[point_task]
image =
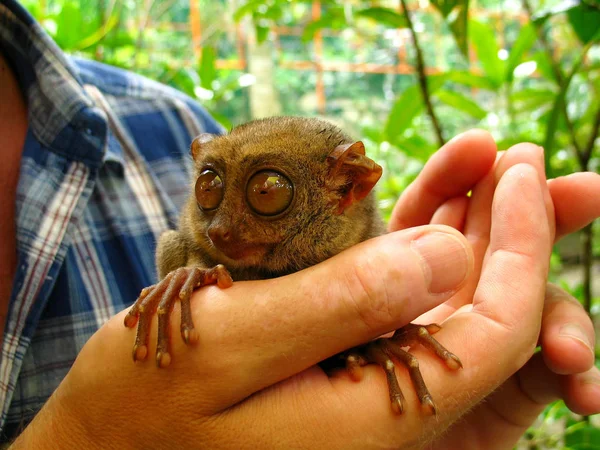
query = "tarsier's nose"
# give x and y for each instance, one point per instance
(219, 235)
(228, 242)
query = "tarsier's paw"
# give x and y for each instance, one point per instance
(160, 298)
(383, 350)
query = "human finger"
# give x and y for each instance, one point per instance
(511, 409)
(581, 391)
(576, 201)
(451, 172)
(497, 334)
(517, 264)
(567, 335)
(539, 386)
(452, 213)
(478, 221)
(533, 155)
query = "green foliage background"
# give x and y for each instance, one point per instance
(538, 81)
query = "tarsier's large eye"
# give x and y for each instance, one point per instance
(269, 193)
(209, 190)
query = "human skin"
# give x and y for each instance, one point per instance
(13, 127)
(564, 368)
(252, 380)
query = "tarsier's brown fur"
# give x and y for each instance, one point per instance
(308, 233)
(333, 208)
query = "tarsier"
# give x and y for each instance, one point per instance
(272, 197)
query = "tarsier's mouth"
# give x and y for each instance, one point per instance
(238, 251)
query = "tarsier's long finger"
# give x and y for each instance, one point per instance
(422, 335)
(392, 348)
(221, 275)
(411, 331)
(197, 278)
(384, 350)
(188, 333)
(432, 328)
(132, 316)
(354, 363)
(178, 284)
(167, 300)
(377, 355)
(146, 310)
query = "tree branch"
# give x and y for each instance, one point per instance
(558, 74)
(587, 151)
(139, 42)
(422, 77)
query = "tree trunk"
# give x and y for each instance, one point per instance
(264, 98)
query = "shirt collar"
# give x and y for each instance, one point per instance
(61, 115)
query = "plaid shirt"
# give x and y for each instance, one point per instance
(104, 171)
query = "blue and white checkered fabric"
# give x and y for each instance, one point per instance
(105, 169)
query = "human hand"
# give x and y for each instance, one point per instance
(564, 367)
(252, 380)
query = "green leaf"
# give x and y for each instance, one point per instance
(69, 25)
(34, 7)
(591, 67)
(456, 14)
(184, 79)
(544, 65)
(445, 7)
(407, 106)
(99, 34)
(587, 117)
(222, 119)
(262, 33)
(584, 17)
(522, 45)
(484, 41)
(384, 16)
(583, 437)
(405, 109)
(311, 28)
(462, 103)
(248, 8)
(334, 18)
(470, 79)
(207, 70)
(460, 30)
(531, 99)
(585, 20)
(274, 13)
(416, 147)
(542, 16)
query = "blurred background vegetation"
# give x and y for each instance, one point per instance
(402, 75)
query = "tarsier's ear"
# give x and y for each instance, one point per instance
(197, 143)
(351, 173)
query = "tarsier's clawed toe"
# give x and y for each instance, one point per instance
(384, 351)
(160, 298)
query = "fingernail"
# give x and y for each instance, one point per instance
(574, 331)
(445, 261)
